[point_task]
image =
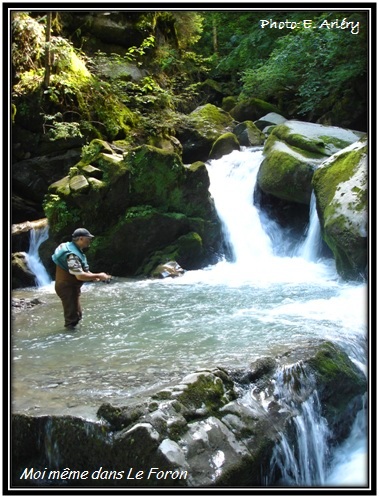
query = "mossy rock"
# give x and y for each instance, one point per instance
(210, 91)
(269, 120)
(225, 144)
(61, 187)
(156, 178)
(228, 103)
(315, 138)
(204, 391)
(341, 385)
(248, 134)
(292, 153)
(210, 120)
(286, 176)
(252, 109)
(22, 276)
(340, 187)
(200, 129)
(187, 250)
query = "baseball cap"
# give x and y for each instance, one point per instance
(81, 232)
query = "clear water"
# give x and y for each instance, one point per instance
(138, 335)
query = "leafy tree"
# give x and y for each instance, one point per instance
(307, 66)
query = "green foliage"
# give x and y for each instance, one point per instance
(139, 211)
(108, 62)
(59, 129)
(302, 69)
(58, 213)
(90, 151)
(28, 38)
(310, 65)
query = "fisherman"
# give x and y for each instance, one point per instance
(72, 271)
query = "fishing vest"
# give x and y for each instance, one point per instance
(63, 250)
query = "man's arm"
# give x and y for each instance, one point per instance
(75, 268)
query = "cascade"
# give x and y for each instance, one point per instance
(32, 257)
(300, 457)
(310, 249)
(232, 189)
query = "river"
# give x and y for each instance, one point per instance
(139, 335)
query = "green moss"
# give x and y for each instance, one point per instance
(112, 166)
(139, 211)
(337, 143)
(334, 368)
(207, 390)
(259, 104)
(228, 103)
(196, 166)
(189, 244)
(286, 176)
(306, 153)
(210, 121)
(300, 143)
(156, 175)
(91, 151)
(326, 179)
(224, 144)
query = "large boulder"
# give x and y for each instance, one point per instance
(269, 120)
(249, 134)
(341, 190)
(293, 151)
(224, 145)
(215, 428)
(22, 276)
(145, 199)
(200, 129)
(252, 110)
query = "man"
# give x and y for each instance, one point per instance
(72, 271)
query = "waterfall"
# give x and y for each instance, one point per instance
(262, 250)
(310, 249)
(301, 456)
(232, 188)
(32, 257)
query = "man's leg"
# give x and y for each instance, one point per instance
(69, 295)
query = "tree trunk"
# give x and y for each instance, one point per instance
(215, 42)
(46, 81)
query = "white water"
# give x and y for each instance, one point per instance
(32, 257)
(142, 335)
(311, 247)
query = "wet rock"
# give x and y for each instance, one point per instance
(206, 429)
(170, 269)
(20, 304)
(341, 190)
(21, 274)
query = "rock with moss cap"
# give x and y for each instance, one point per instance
(200, 129)
(248, 134)
(225, 144)
(252, 109)
(293, 151)
(341, 190)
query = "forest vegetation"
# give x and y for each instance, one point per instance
(72, 88)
